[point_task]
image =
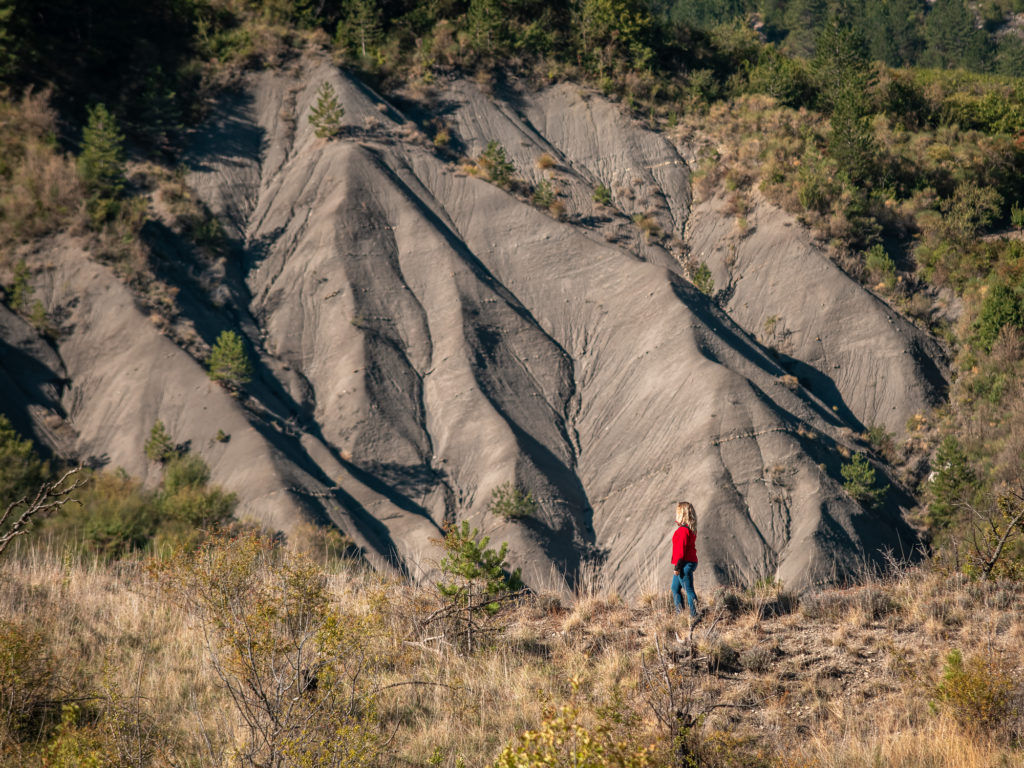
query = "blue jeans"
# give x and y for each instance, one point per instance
(681, 582)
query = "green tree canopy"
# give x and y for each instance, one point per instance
(953, 39)
(615, 31)
(805, 19)
(893, 30)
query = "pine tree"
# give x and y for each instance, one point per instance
(951, 482)
(365, 24)
(228, 363)
(325, 116)
(844, 76)
(496, 165)
(474, 579)
(160, 447)
(841, 62)
(101, 163)
(860, 482)
(893, 30)
(486, 21)
(20, 291)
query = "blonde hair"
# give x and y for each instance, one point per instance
(686, 515)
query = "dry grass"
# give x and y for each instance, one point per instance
(39, 187)
(844, 678)
(546, 161)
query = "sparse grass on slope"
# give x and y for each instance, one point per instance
(923, 669)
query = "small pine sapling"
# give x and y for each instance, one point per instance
(543, 195)
(101, 164)
(495, 163)
(21, 290)
(860, 482)
(325, 116)
(228, 362)
(160, 447)
(702, 279)
(511, 502)
(475, 582)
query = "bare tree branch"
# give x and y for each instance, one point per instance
(50, 497)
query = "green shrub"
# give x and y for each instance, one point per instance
(21, 470)
(602, 195)
(188, 471)
(80, 745)
(815, 182)
(40, 189)
(881, 440)
(563, 739)
(977, 692)
(198, 507)
(20, 291)
(860, 482)
(186, 498)
(512, 502)
(1002, 306)
(1017, 216)
(117, 516)
(27, 680)
(702, 279)
(301, 671)
(780, 77)
(879, 264)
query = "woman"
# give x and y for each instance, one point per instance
(684, 558)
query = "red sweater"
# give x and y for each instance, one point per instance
(684, 545)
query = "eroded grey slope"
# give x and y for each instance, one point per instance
(452, 334)
(423, 336)
(842, 342)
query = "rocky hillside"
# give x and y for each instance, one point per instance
(421, 336)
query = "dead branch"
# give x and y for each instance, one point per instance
(50, 497)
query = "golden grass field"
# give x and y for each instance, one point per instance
(840, 678)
